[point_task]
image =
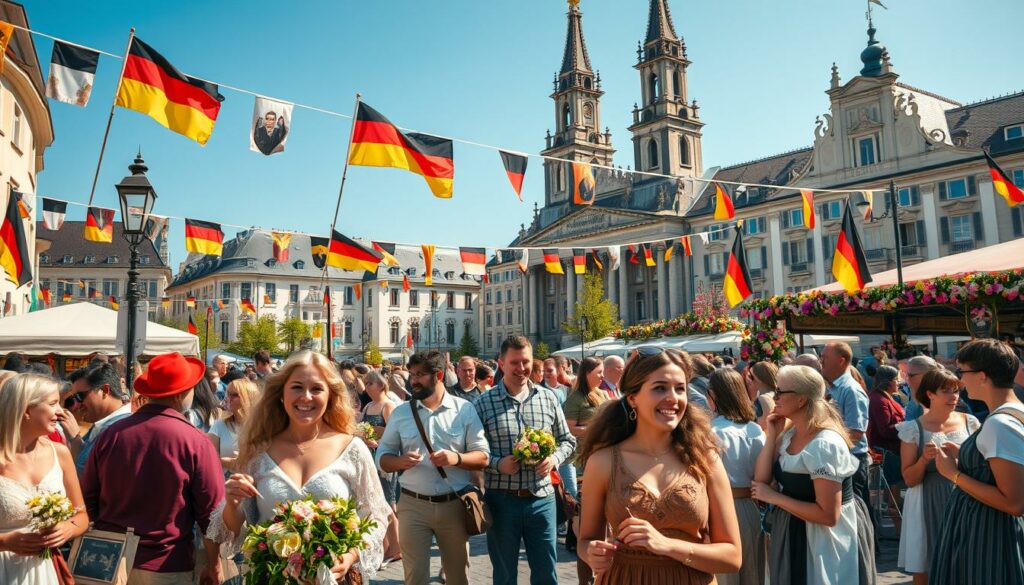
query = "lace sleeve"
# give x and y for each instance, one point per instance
(219, 532)
(370, 501)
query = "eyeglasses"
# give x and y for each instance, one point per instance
(76, 398)
(960, 372)
(778, 393)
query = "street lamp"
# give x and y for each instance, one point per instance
(137, 198)
(584, 326)
(891, 211)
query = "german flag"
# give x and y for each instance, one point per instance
(44, 294)
(66, 297)
(165, 303)
(387, 251)
(807, 196)
(94, 294)
(849, 265)
(347, 254)
(597, 259)
(515, 168)
(383, 284)
(267, 300)
(737, 285)
(405, 283)
(281, 241)
(584, 186)
(113, 302)
(376, 142)
(99, 225)
(552, 262)
(221, 305)
(687, 248)
(247, 307)
(428, 264)
(152, 86)
(190, 302)
(203, 237)
(318, 248)
(474, 261)
(648, 255)
(192, 326)
(14, 258)
(23, 208)
(724, 208)
(579, 260)
(632, 256)
(670, 246)
(358, 288)
(1002, 184)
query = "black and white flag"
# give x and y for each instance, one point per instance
(72, 72)
(54, 211)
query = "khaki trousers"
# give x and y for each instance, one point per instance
(419, 521)
(140, 577)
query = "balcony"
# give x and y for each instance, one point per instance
(877, 255)
(716, 271)
(961, 246)
(912, 251)
(800, 268)
(756, 273)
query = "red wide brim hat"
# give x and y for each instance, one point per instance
(169, 374)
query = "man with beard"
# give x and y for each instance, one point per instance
(429, 506)
(269, 136)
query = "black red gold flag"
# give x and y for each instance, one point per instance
(190, 302)
(515, 168)
(348, 254)
(633, 258)
(552, 263)
(54, 212)
(579, 260)
(113, 302)
(1002, 183)
(45, 294)
(405, 283)
(428, 262)
(66, 297)
(99, 225)
(670, 246)
(597, 259)
(474, 261)
(192, 326)
(387, 251)
(849, 264)
(280, 248)
(152, 86)
(23, 208)
(203, 237)
(584, 186)
(807, 196)
(247, 307)
(165, 303)
(737, 285)
(94, 293)
(376, 142)
(648, 255)
(318, 249)
(724, 208)
(687, 248)
(358, 288)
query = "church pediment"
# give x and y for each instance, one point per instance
(860, 84)
(588, 222)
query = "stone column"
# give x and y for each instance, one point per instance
(611, 286)
(663, 309)
(624, 291)
(533, 327)
(675, 277)
(570, 292)
(819, 260)
(988, 214)
(931, 221)
(776, 251)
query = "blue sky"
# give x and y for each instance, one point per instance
(474, 70)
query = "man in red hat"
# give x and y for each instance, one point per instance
(159, 475)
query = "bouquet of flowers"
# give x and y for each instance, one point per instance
(365, 430)
(49, 510)
(305, 537)
(533, 446)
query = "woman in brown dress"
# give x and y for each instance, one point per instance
(657, 509)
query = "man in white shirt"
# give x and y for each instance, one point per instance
(429, 507)
(98, 395)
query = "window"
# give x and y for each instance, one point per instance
(908, 196)
(246, 290)
(755, 259)
(293, 293)
(957, 188)
(110, 288)
(271, 292)
(792, 218)
(68, 259)
(414, 298)
(551, 315)
(225, 290)
(395, 296)
(487, 319)
(652, 154)
(393, 332)
(715, 264)
(16, 129)
(414, 330)
(467, 301)
(112, 259)
(566, 118)
(508, 317)
(867, 152)
(1018, 177)
(449, 330)
(677, 84)
(519, 294)
(450, 300)
(433, 299)
(90, 259)
(684, 152)
(487, 297)
(348, 332)
(497, 318)
(718, 232)
(1014, 132)
(653, 87)
(909, 235)
(369, 299)
(44, 258)
(350, 296)
(830, 210)
(794, 253)
(144, 259)
(497, 297)
(490, 342)
(223, 331)
(639, 306)
(753, 226)
(152, 289)
(961, 228)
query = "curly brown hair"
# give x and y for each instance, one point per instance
(694, 442)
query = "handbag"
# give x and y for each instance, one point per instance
(477, 515)
(60, 565)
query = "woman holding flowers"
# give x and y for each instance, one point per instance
(298, 442)
(655, 476)
(37, 478)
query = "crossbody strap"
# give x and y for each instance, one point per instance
(423, 435)
(1011, 412)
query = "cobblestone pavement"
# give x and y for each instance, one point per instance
(480, 566)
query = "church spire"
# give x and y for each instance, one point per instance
(575, 58)
(659, 22)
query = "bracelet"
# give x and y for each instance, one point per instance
(459, 462)
(689, 556)
(956, 479)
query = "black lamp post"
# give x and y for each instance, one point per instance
(137, 198)
(584, 327)
(891, 211)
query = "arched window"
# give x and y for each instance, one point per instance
(684, 151)
(560, 178)
(566, 117)
(653, 87)
(586, 83)
(652, 154)
(677, 84)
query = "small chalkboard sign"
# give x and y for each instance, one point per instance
(103, 558)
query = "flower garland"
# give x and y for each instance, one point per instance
(766, 314)
(686, 324)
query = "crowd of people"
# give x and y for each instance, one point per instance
(668, 468)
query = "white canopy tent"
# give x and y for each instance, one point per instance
(605, 346)
(80, 329)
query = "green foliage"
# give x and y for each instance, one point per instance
(373, 356)
(541, 351)
(468, 346)
(601, 314)
(293, 332)
(255, 335)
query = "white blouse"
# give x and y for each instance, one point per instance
(741, 444)
(1002, 436)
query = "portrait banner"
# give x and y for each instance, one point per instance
(271, 124)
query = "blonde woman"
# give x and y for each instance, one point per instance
(239, 397)
(814, 523)
(299, 441)
(31, 464)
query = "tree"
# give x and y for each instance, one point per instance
(373, 356)
(541, 351)
(293, 332)
(468, 346)
(199, 318)
(601, 314)
(255, 335)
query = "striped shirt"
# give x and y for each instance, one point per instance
(505, 418)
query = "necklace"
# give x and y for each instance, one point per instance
(303, 445)
(657, 456)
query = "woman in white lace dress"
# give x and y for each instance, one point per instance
(31, 464)
(299, 440)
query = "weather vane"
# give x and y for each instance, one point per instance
(870, 2)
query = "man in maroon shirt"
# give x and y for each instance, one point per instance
(157, 474)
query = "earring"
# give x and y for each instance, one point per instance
(632, 414)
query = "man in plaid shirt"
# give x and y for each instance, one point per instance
(521, 498)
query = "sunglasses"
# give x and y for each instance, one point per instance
(960, 372)
(778, 393)
(76, 398)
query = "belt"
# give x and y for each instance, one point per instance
(740, 493)
(434, 499)
(516, 493)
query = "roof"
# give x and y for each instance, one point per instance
(575, 57)
(980, 125)
(22, 49)
(251, 252)
(69, 241)
(778, 169)
(659, 22)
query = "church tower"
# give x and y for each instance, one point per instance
(666, 129)
(577, 95)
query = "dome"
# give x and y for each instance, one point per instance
(872, 56)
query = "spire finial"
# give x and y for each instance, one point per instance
(574, 4)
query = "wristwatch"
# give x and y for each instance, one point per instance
(459, 462)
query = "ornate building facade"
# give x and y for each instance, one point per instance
(877, 130)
